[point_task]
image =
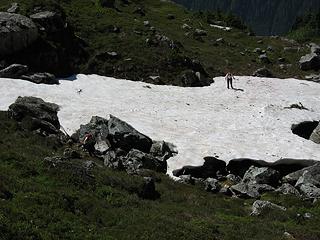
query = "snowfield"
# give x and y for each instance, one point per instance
(208, 121)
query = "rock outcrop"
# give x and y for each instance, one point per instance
(259, 207)
(262, 175)
(248, 178)
(124, 148)
(36, 114)
(17, 32)
(14, 71)
(310, 61)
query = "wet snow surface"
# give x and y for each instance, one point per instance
(209, 121)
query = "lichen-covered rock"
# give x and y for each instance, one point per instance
(263, 175)
(186, 179)
(259, 207)
(136, 159)
(309, 190)
(250, 190)
(288, 189)
(212, 185)
(306, 175)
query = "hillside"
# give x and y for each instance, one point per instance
(152, 41)
(265, 17)
(307, 27)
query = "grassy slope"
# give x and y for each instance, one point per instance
(91, 20)
(57, 204)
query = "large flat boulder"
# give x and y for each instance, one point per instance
(309, 174)
(14, 71)
(124, 136)
(259, 207)
(136, 160)
(285, 166)
(16, 32)
(310, 62)
(35, 108)
(250, 190)
(263, 175)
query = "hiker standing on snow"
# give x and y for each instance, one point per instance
(229, 77)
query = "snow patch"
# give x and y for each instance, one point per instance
(207, 121)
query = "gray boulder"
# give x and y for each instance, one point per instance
(259, 207)
(50, 22)
(264, 58)
(161, 149)
(313, 77)
(136, 159)
(189, 78)
(305, 175)
(315, 136)
(98, 128)
(200, 33)
(262, 175)
(41, 78)
(250, 190)
(35, 108)
(124, 136)
(14, 8)
(186, 26)
(14, 71)
(17, 32)
(309, 190)
(39, 126)
(111, 160)
(212, 185)
(315, 48)
(186, 179)
(233, 178)
(262, 72)
(311, 176)
(310, 62)
(288, 189)
(257, 50)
